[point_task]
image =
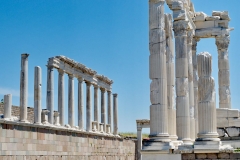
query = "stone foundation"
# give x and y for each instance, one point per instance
(213, 156)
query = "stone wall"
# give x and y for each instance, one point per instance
(28, 141)
(215, 156)
(16, 112)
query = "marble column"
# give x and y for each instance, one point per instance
(109, 94)
(195, 82)
(96, 105)
(207, 135)
(80, 103)
(7, 106)
(115, 114)
(61, 96)
(24, 87)
(50, 93)
(223, 72)
(159, 137)
(88, 108)
(37, 95)
(139, 141)
(103, 112)
(190, 84)
(170, 78)
(71, 100)
(182, 91)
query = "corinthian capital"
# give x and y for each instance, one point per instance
(222, 42)
(180, 28)
(190, 36)
(194, 43)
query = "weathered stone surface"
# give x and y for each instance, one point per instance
(221, 132)
(177, 5)
(223, 155)
(201, 156)
(157, 88)
(233, 132)
(200, 16)
(204, 24)
(212, 155)
(212, 18)
(188, 156)
(179, 15)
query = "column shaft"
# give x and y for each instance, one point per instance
(50, 93)
(61, 96)
(71, 100)
(80, 103)
(109, 109)
(139, 139)
(103, 112)
(7, 106)
(115, 114)
(88, 108)
(37, 95)
(96, 104)
(24, 88)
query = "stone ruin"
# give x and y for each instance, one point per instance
(194, 125)
(55, 119)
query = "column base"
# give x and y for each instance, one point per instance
(187, 141)
(184, 149)
(156, 155)
(207, 146)
(24, 121)
(163, 146)
(173, 137)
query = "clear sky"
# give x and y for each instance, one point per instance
(109, 36)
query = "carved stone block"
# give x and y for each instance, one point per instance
(179, 15)
(177, 5)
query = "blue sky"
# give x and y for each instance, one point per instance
(110, 37)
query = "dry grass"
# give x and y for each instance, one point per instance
(132, 135)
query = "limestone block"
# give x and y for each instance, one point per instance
(234, 122)
(181, 67)
(224, 94)
(179, 15)
(223, 155)
(182, 86)
(157, 66)
(200, 16)
(216, 13)
(158, 87)
(224, 105)
(212, 155)
(177, 5)
(223, 77)
(221, 23)
(221, 132)
(222, 122)
(225, 16)
(201, 156)
(227, 113)
(212, 18)
(156, 36)
(233, 132)
(204, 24)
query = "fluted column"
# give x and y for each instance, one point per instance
(71, 100)
(103, 112)
(24, 87)
(96, 105)
(109, 93)
(206, 100)
(7, 107)
(182, 91)
(80, 103)
(223, 72)
(61, 96)
(50, 93)
(158, 76)
(170, 78)
(37, 95)
(195, 82)
(139, 141)
(190, 84)
(115, 114)
(88, 107)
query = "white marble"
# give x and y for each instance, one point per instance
(88, 107)
(50, 93)
(103, 111)
(96, 105)
(115, 114)
(8, 107)
(56, 118)
(37, 95)
(61, 95)
(109, 96)
(71, 100)
(80, 103)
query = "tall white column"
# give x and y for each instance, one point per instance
(88, 108)
(96, 105)
(190, 84)
(109, 94)
(223, 72)
(24, 87)
(207, 135)
(37, 95)
(80, 103)
(170, 78)
(71, 100)
(139, 143)
(115, 114)
(61, 96)
(103, 111)
(182, 91)
(50, 93)
(7, 106)
(195, 82)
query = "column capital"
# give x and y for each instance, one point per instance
(180, 28)
(156, 1)
(95, 86)
(194, 43)
(71, 76)
(80, 79)
(103, 89)
(190, 34)
(60, 71)
(222, 42)
(115, 94)
(88, 83)
(25, 55)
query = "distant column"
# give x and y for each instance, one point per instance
(80, 103)
(109, 109)
(24, 87)
(96, 105)
(115, 114)
(61, 96)
(7, 106)
(139, 139)
(88, 108)
(103, 113)
(50, 94)
(223, 72)
(71, 100)
(37, 95)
